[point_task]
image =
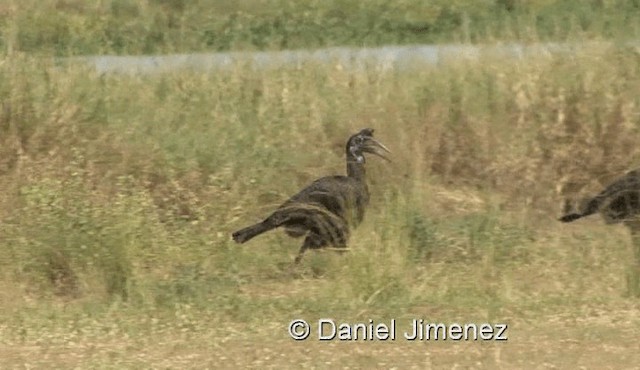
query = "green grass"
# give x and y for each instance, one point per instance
(119, 194)
(75, 27)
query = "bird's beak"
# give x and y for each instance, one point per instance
(373, 146)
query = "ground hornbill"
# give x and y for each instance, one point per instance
(329, 207)
(618, 202)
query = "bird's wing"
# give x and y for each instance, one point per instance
(330, 192)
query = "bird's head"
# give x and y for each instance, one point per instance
(363, 142)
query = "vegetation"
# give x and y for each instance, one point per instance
(78, 27)
(116, 208)
(118, 195)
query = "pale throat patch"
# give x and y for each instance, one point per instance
(359, 157)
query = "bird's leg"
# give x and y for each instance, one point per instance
(303, 249)
(298, 258)
(312, 241)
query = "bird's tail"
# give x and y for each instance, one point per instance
(250, 232)
(300, 218)
(589, 207)
(571, 217)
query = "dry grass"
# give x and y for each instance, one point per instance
(119, 195)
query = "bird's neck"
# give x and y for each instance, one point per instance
(355, 169)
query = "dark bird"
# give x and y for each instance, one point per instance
(618, 202)
(329, 207)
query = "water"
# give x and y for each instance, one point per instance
(348, 57)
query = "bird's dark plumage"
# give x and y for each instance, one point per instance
(329, 207)
(618, 202)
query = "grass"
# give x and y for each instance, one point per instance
(75, 27)
(119, 194)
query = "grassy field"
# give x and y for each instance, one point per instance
(78, 27)
(118, 194)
